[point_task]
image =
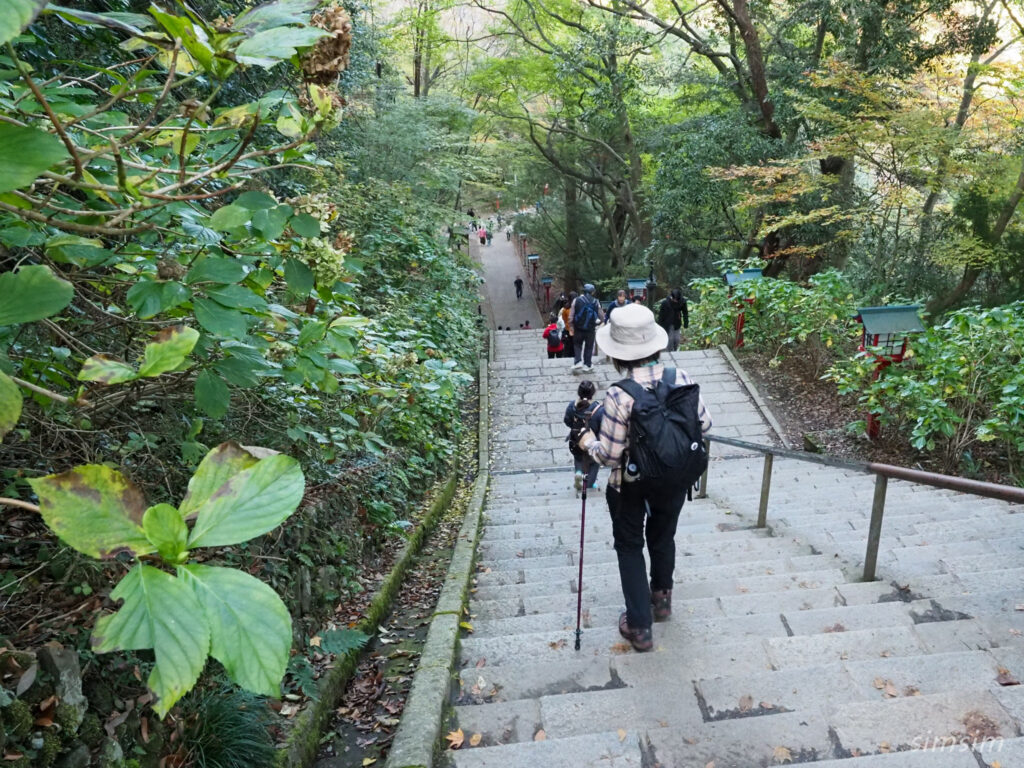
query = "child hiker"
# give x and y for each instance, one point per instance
(577, 418)
(554, 337)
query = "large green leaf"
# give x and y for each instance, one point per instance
(217, 467)
(15, 15)
(31, 293)
(151, 297)
(255, 200)
(162, 613)
(298, 276)
(306, 225)
(216, 270)
(132, 23)
(94, 509)
(267, 48)
(219, 320)
(166, 530)
(106, 370)
(229, 217)
(168, 350)
(274, 14)
(250, 503)
(10, 404)
(250, 629)
(212, 394)
(26, 152)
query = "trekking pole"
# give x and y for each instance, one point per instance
(579, 579)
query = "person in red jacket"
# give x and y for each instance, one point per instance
(554, 337)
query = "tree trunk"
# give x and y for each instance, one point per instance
(755, 62)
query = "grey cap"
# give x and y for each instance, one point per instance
(588, 288)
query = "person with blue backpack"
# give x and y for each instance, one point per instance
(585, 315)
(651, 435)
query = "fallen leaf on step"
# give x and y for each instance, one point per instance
(622, 734)
(746, 703)
(480, 662)
(475, 739)
(885, 654)
(1019, 607)
(369, 761)
(883, 747)
(540, 735)
(557, 645)
(879, 683)
(911, 690)
(837, 627)
(996, 764)
(742, 589)
(766, 705)
(890, 690)
(620, 648)
(690, 741)
(1006, 677)
(782, 755)
(466, 626)
(709, 764)
(455, 739)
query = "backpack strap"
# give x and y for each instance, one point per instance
(669, 376)
(630, 387)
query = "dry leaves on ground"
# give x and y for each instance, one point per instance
(455, 739)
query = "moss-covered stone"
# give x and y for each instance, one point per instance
(91, 730)
(66, 717)
(51, 748)
(18, 718)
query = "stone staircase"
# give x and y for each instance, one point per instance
(776, 653)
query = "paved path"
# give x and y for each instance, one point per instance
(776, 653)
(500, 268)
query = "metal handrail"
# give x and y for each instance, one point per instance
(882, 473)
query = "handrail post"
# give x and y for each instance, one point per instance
(702, 493)
(766, 486)
(875, 531)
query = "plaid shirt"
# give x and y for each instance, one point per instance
(610, 445)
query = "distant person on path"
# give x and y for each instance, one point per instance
(526, 325)
(584, 316)
(577, 418)
(489, 236)
(620, 301)
(673, 314)
(554, 337)
(640, 508)
(518, 283)
(566, 330)
(482, 234)
(508, 231)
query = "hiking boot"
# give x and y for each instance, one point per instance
(640, 639)
(662, 602)
(577, 482)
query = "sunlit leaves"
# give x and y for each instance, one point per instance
(166, 530)
(152, 297)
(10, 404)
(216, 468)
(15, 15)
(94, 509)
(250, 629)
(250, 503)
(25, 153)
(166, 352)
(267, 48)
(32, 293)
(158, 612)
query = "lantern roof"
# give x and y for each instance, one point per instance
(638, 284)
(533, 257)
(902, 318)
(732, 278)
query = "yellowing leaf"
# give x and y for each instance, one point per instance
(540, 735)
(475, 739)
(369, 760)
(466, 626)
(782, 755)
(622, 734)
(455, 739)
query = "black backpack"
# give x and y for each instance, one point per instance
(665, 446)
(585, 316)
(580, 422)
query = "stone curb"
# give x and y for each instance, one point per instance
(300, 749)
(755, 395)
(419, 732)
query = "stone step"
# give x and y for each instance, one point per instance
(692, 585)
(899, 724)
(686, 570)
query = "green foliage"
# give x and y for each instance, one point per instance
(962, 385)
(812, 322)
(227, 728)
(223, 612)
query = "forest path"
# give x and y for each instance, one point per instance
(776, 652)
(500, 267)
